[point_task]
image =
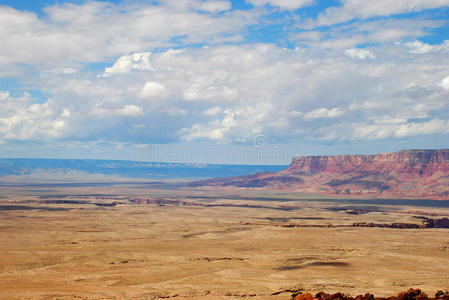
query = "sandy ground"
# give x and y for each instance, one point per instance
(134, 251)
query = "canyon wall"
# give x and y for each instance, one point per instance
(410, 162)
(404, 174)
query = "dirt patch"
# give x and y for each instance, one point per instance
(315, 264)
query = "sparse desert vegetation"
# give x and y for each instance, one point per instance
(164, 241)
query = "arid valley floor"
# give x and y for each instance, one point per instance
(143, 240)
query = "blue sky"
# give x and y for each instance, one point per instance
(205, 80)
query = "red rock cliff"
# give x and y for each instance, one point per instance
(420, 174)
(412, 162)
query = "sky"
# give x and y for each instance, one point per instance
(218, 81)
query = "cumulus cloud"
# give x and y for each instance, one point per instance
(11, 105)
(289, 93)
(200, 131)
(20, 119)
(93, 31)
(360, 53)
(283, 4)
(229, 93)
(237, 124)
(224, 90)
(214, 130)
(419, 47)
(430, 127)
(128, 63)
(224, 85)
(154, 91)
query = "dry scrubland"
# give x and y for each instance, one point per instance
(162, 241)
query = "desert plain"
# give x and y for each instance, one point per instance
(158, 240)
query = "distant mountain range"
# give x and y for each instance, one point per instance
(403, 174)
(124, 169)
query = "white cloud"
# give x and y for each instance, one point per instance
(365, 9)
(175, 111)
(199, 131)
(199, 92)
(244, 88)
(12, 105)
(214, 6)
(211, 6)
(129, 110)
(445, 83)
(128, 63)
(375, 104)
(66, 113)
(92, 91)
(365, 32)
(59, 71)
(237, 124)
(6, 97)
(294, 113)
(324, 113)
(20, 119)
(140, 125)
(443, 47)
(283, 4)
(290, 94)
(154, 91)
(213, 111)
(360, 53)
(94, 31)
(418, 47)
(367, 132)
(430, 127)
(399, 128)
(214, 130)
(388, 120)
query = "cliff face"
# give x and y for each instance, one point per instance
(404, 174)
(410, 162)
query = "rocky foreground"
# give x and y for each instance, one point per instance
(404, 174)
(411, 294)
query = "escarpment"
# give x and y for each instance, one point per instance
(403, 174)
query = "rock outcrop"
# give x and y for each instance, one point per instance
(404, 174)
(411, 294)
(426, 223)
(410, 162)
